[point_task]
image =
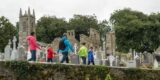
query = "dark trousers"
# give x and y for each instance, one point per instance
(90, 61)
(65, 57)
(49, 60)
(83, 60)
(33, 55)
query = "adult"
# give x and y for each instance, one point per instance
(32, 45)
(64, 47)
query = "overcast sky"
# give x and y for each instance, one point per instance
(66, 8)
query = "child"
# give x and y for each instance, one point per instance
(83, 52)
(50, 54)
(90, 56)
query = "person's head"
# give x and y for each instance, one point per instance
(91, 48)
(84, 43)
(32, 33)
(64, 36)
(49, 45)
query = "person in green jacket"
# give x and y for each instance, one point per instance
(83, 52)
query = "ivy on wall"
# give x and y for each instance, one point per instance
(38, 71)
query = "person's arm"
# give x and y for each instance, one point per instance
(33, 42)
(68, 46)
(54, 53)
(79, 51)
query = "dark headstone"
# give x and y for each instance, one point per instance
(56, 58)
(74, 59)
(157, 56)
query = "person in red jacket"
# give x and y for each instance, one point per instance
(50, 54)
(32, 44)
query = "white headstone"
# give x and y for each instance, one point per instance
(14, 54)
(131, 64)
(21, 52)
(75, 48)
(116, 60)
(111, 59)
(95, 55)
(7, 51)
(155, 64)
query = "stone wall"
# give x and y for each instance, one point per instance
(46, 71)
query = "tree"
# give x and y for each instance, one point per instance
(103, 28)
(50, 27)
(136, 30)
(82, 23)
(7, 31)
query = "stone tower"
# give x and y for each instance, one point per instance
(71, 36)
(110, 43)
(26, 26)
(95, 38)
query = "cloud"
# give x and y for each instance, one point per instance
(67, 8)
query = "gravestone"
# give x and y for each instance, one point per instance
(1, 56)
(98, 62)
(60, 56)
(111, 59)
(38, 55)
(7, 50)
(155, 65)
(131, 64)
(56, 59)
(14, 54)
(74, 59)
(21, 53)
(75, 48)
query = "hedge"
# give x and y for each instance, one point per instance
(38, 71)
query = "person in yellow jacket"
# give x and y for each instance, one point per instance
(83, 52)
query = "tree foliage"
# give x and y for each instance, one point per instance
(50, 27)
(82, 23)
(7, 31)
(136, 30)
(103, 28)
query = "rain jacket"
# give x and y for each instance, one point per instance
(90, 55)
(32, 42)
(82, 51)
(67, 44)
(50, 53)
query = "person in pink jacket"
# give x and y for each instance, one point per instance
(32, 45)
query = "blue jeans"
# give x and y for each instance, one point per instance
(91, 61)
(65, 57)
(33, 55)
(83, 59)
(49, 60)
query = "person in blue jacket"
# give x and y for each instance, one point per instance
(64, 47)
(90, 56)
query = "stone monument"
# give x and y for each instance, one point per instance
(7, 51)
(14, 54)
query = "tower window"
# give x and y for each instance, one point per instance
(69, 33)
(72, 33)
